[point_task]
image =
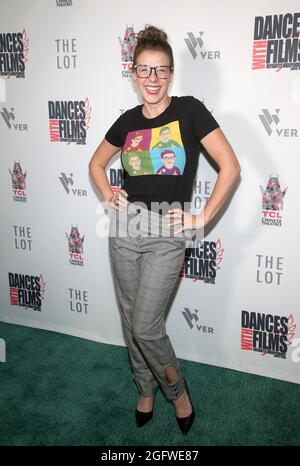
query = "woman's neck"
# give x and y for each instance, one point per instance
(154, 110)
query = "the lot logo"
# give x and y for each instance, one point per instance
(192, 319)
(203, 261)
(66, 53)
(202, 192)
(23, 237)
(270, 121)
(68, 182)
(276, 42)
(75, 245)
(267, 333)
(78, 300)
(18, 182)
(68, 120)
(26, 290)
(14, 48)
(9, 119)
(272, 202)
(195, 43)
(269, 269)
(127, 44)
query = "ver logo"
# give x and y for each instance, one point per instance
(270, 120)
(193, 42)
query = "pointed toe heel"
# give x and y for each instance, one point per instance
(142, 418)
(185, 423)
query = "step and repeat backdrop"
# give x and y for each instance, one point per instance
(65, 77)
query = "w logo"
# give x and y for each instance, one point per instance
(267, 119)
(192, 43)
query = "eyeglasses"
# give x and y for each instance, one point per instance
(168, 157)
(162, 71)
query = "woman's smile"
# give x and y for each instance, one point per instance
(153, 90)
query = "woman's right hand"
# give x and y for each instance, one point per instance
(117, 200)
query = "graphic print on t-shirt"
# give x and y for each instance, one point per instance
(156, 151)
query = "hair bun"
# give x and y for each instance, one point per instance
(152, 38)
(153, 34)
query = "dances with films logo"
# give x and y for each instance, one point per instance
(75, 245)
(272, 202)
(13, 53)
(127, 45)
(276, 42)
(203, 261)
(26, 290)
(267, 333)
(18, 182)
(68, 120)
(116, 178)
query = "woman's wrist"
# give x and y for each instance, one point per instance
(198, 221)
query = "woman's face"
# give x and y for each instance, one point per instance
(152, 89)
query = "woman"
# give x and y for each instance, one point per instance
(169, 132)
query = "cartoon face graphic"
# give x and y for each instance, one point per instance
(165, 134)
(165, 140)
(135, 162)
(168, 157)
(135, 143)
(155, 151)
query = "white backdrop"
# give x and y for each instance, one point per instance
(72, 52)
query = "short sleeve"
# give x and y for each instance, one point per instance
(203, 121)
(115, 135)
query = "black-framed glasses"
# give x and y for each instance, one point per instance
(162, 71)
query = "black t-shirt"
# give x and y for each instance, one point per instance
(160, 155)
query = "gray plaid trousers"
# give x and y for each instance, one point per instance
(146, 258)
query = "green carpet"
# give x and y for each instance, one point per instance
(62, 390)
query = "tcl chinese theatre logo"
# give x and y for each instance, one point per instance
(272, 202)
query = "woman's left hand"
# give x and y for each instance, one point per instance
(185, 219)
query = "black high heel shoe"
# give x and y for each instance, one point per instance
(142, 418)
(185, 423)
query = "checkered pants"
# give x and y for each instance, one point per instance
(146, 258)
